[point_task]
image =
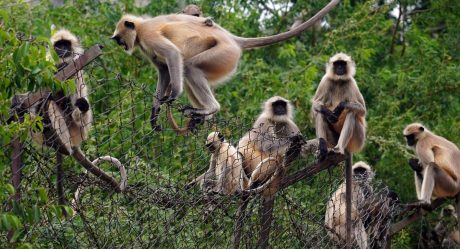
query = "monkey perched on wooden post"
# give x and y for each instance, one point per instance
(66, 118)
(180, 46)
(338, 107)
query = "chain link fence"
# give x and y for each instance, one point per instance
(158, 207)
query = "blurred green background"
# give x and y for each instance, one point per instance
(407, 57)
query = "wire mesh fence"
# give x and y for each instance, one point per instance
(159, 207)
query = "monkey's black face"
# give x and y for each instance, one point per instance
(63, 48)
(211, 147)
(120, 42)
(360, 172)
(411, 141)
(279, 107)
(340, 67)
(448, 211)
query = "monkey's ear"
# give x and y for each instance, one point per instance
(129, 25)
(421, 128)
(221, 137)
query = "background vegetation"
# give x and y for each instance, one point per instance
(407, 69)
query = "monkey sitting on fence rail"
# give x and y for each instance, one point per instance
(66, 118)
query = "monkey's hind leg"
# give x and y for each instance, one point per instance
(352, 135)
(435, 175)
(323, 130)
(202, 93)
(264, 170)
(162, 90)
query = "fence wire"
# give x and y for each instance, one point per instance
(159, 208)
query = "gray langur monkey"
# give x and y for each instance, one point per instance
(266, 144)
(67, 119)
(437, 170)
(447, 228)
(335, 218)
(225, 174)
(338, 107)
(180, 46)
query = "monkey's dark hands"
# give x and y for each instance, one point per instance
(339, 109)
(330, 116)
(154, 118)
(194, 122)
(415, 165)
(322, 149)
(82, 104)
(167, 100)
(295, 147)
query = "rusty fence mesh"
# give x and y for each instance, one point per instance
(159, 209)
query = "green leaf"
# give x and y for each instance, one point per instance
(36, 213)
(14, 221)
(36, 71)
(5, 222)
(4, 16)
(10, 189)
(42, 195)
(25, 246)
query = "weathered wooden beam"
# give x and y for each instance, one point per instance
(332, 160)
(240, 214)
(395, 228)
(349, 198)
(73, 67)
(266, 219)
(27, 100)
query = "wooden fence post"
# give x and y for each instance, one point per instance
(349, 196)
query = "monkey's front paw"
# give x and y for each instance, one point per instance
(196, 120)
(415, 165)
(82, 104)
(330, 116)
(153, 121)
(339, 109)
(167, 100)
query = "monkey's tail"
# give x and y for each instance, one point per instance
(268, 40)
(172, 122)
(123, 183)
(91, 167)
(244, 181)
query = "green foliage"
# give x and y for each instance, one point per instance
(418, 81)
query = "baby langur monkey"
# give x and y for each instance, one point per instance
(181, 47)
(225, 174)
(335, 217)
(338, 106)
(192, 10)
(437, 171)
